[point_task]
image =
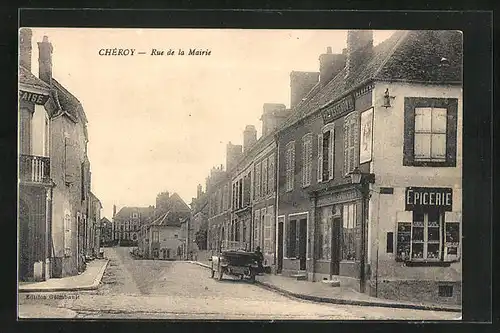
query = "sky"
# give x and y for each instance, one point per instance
(160, 123)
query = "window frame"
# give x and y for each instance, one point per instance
(352, 121)
(307, 156)
(412, 103)
(290, 166)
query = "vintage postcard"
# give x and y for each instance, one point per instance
(240, 174)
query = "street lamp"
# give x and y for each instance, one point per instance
(362, 181)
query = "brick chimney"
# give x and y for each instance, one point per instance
(273, 116)
(359, 49)
(199, 191)
(45, 60)
(300, 84)
(330, 65)
(25, 36)
(249, 137)
(114, 210)
(233, 154)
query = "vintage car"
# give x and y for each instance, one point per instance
(234, 260)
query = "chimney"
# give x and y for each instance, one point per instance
(198, 191)
(359, 49)
(300, 84)
(45, 60)
(249, 137)
(114, 210)
(25, 35)
(272, 117)
(330, 65)
(233, 154)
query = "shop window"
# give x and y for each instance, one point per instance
(445, 291)
(325, 233)
(428, 237)
(306, 159)
(349, 232)
(290, 165)
(430, 132)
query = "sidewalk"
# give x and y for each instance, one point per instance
(320, 292)
(88, 280)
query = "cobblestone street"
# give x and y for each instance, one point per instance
(147, 289)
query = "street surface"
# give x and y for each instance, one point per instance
(155, 289)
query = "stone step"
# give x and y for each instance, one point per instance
(300, 275)
(331, 283)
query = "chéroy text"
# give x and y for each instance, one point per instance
(154, 52)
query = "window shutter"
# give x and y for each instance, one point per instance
(320, 157)
(309, 159)
(292, 166)
(356, 131)
(346, 146)
(304, 161)
(409, 131)
(451, 132)
(331, 152)
(271, 173)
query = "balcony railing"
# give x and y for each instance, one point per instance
(34, 169)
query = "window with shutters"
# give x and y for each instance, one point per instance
(258, 180)
(290, 165)
(272, 172)
(262, 227)
(326, 153)
(351, 142)
(307, 159)
(268, 230)
(430, 132)
(256, 228)
(264, 177)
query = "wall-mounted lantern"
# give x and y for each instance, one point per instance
(387, 99)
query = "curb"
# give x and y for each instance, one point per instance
(93, 286)
(348, 301)
(356, 302)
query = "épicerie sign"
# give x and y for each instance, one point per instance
(336, 110)
(427, 197)
(32, 97)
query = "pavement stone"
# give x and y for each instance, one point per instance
(88, 280)
(44, 311)
(319, 292)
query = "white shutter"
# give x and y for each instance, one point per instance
(309, 159)
(320, 157)
(292, 166)
(346, 145)
(331, 152)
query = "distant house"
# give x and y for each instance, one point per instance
(127, 224)
(106, 232)
(161, 237)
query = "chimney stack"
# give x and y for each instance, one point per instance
(233, 154)
(359, 49)
(45, 60)
(114, 210)
(249, 137)
(301, 83)
(272, 117)
(25, 36)
(330, 65)
(199, 191)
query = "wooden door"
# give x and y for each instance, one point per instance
(335, 248)
(280, 247)
(302, 243)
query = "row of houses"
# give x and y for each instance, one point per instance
(360, 180)
(59, 216)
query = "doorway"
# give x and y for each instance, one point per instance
(335, 248)
(303, 243)
(280, 248)
(25, 245)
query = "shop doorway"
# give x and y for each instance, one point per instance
(280, 248)
(335, 248)
(302, 243)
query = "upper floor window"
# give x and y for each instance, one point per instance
(290, 165)
(351, 142)
(306, 159)
(270, 167)
(430, 131)
(264, 177)
(258, 180)
(326, 153)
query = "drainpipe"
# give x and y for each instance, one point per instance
(276, 210)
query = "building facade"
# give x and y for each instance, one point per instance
(402, 128)
(106, 232)
(127, 224)
(35, 184)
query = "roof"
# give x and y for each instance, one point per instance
(255, 149)
(68, 102)
(168, 219)
(105, 220)
(125, 212)
(177, 204)
(406, 55)
(26, 77)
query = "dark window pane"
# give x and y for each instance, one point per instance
(390, 242)
(418, 234)
(433, 251)
(433, 234)
(417, 250)
(418, 216)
